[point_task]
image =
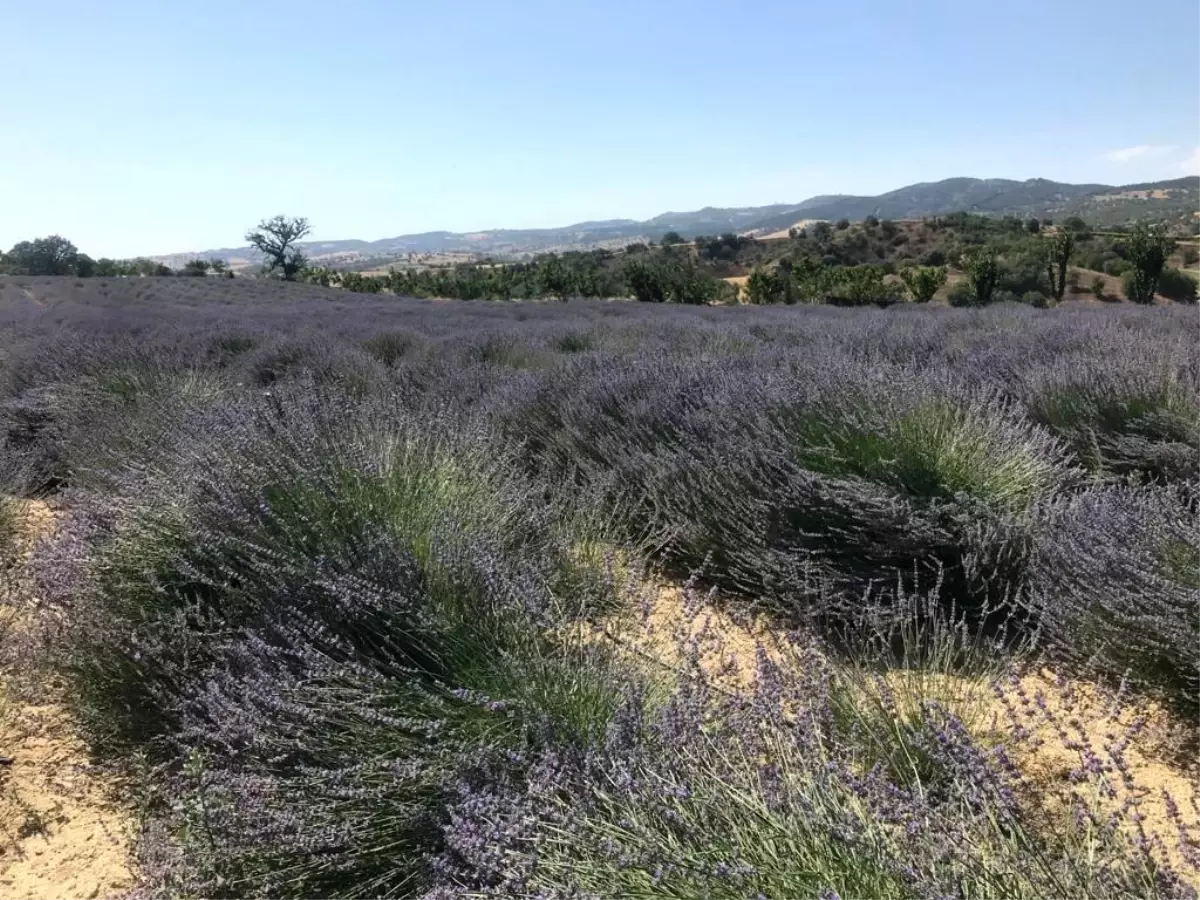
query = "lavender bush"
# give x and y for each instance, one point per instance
(774, 791)
(1117, 587)
(337, 572)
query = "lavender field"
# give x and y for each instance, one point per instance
(368, 596)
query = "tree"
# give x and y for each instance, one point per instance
(218, 266)
(52, 255)
(787, 284)
(672, 237)
(822, 231)
(1077, 225)
(923, 282)
(195, 267)
(763, 287)
(862, 284)
(1033, 226)
(276, 240)
(645, 281)
(1058, 257)
(1147, 248)
(871, 222)
(842, 224)
(1098, 287)
(556, 278)
(982, 273)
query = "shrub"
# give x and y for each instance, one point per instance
(923, 282)
(1098, 287)
(316, 357)
(840, 485)
(961, 294)
(673, 282)
(1035, 299)
(842, 224)
(764, 287)
(1176, 285)
(389, 347)
(983, 273)
(1117, 587)
(760, 792)
(1119, 416)
(1147, 248)
(329, 615)
(259, 507)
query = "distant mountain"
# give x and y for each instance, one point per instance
(1175, 201)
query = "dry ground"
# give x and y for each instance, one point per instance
(64, 831)
(1158, 750)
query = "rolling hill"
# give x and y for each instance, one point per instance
(1174, 201)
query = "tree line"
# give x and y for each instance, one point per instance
(55, 255)
(1001, 260)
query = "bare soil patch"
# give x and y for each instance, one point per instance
(64, 832)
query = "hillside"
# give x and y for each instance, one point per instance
(1174, 201)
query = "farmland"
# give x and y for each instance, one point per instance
(364, 595)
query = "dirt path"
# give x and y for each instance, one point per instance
(63, 832)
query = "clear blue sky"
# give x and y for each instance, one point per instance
(152, 126)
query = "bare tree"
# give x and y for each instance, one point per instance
(275, 239)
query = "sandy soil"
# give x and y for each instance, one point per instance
(64, 833)
(1064, 721)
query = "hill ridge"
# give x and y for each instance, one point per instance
(1099, 204)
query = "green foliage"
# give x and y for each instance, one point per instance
(982, 273)
(1036, 299)
(1023, 269)
(1098, 287)
(1147, 248)
(673, 281)
(556, 279)
(842, 224)
(923, 282)
(1191, 255)
(670, 238)
(276, 240)
(961, 294)
(1058, 257)
(726, 247)
(763, 287)
(861, 285)
(936, 451)
(1033, 226)
(1077, 226)
(53, 255)
(1176, 285)
(195, 267)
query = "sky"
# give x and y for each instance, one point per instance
(137, 127)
